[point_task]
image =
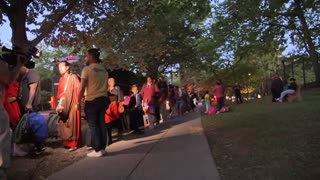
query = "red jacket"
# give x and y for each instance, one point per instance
(148, 91)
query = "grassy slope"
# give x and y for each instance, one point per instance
(264, 140)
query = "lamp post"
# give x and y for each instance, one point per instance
(249, 74)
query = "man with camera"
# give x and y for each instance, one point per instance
(7, 75)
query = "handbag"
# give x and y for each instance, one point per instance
(62, 104)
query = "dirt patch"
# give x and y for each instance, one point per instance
(54, 159)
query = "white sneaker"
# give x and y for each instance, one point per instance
(95, 154)
(89, 148)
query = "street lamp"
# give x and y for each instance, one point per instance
(249, 74)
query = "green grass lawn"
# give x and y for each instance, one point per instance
(264, 140)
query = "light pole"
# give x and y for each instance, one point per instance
(249, 74)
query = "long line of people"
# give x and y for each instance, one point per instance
(94, 93)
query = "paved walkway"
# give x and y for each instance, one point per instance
(177, 149)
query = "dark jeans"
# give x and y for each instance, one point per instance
(109, 134)
(95, 111)
(220, 103)
(275, 94)
(238, 98)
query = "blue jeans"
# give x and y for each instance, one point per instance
(95, 111)
(286, 92)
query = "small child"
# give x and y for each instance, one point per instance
(135, 111)
(151, 112)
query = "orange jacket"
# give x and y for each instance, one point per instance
(112, 112)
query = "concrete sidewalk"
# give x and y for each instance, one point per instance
(177, 149)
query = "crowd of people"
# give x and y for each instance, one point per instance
(104, 105)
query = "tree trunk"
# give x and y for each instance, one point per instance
(307, 38)
(18, 25)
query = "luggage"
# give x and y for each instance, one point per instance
(23, 133)
(31, 128)
(52, 122)
(38, 125)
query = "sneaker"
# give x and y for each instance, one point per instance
(72, 149)
(95, 154)
(38, 151)
(104, 152)
(89, 148)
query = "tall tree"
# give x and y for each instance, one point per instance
(150, 36)
(268, 24)
(61, 21)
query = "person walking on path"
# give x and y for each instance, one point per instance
(94, 81)
(237, 93)
(218, 91)
(276, 87)
(70, 122)
(6, 78)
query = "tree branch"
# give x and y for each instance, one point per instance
(92, 4)
(50, 26)
(5, 8)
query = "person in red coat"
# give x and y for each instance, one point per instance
(68, 90)
(11, 104)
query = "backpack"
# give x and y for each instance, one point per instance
(38, 125)
(52, 122)
(23, 132)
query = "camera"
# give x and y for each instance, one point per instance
(11, 56)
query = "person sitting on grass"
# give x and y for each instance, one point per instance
(292, 88)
